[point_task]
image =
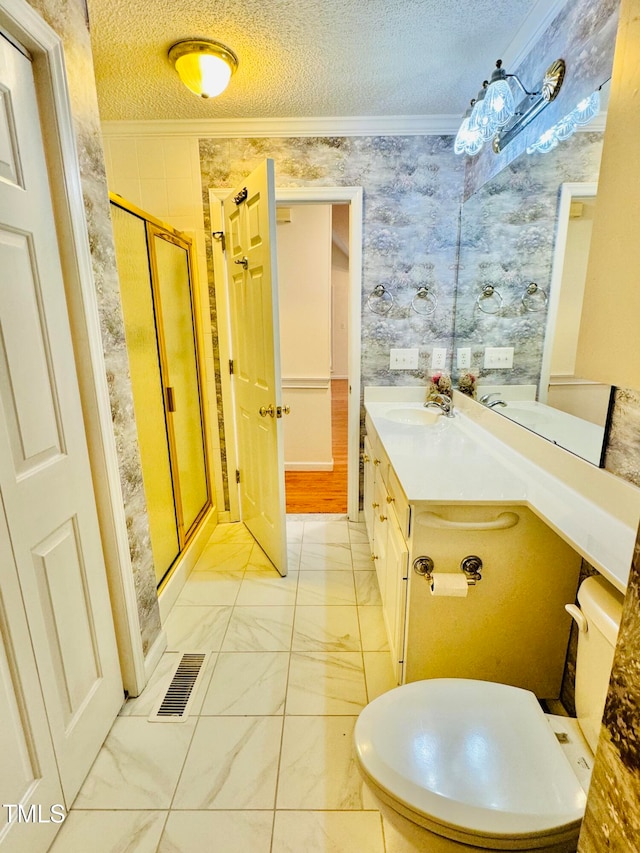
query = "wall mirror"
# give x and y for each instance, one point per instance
(524, 243)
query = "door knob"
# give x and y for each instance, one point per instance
(243, 262)
(267, 410)
(282, 410)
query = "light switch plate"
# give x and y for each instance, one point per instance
(403, 359)
(498, 357)
(439, 358)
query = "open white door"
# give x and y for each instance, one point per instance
(45, 477)
(250, 237)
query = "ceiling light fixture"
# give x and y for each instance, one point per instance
(204, 66)
(585, 112)
(496, 114)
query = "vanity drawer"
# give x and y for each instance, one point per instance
(398, 501)
(375, 452)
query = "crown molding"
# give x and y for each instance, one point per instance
(434, 125)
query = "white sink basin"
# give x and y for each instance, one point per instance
(417, 417)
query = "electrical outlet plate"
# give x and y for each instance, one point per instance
(463, 357)
(500, 358)
(403, 359)
(439, 358)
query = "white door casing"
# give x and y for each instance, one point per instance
(45, 474)
(250, 220)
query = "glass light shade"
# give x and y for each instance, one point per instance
(468, 139)
(481, 122)
(565, 128)
(205, 67)
(545, 143)
(461, 137)
(499, 105)
(474, 142)
(587, 109)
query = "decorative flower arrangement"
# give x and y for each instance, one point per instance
(440, 384)
(467, 385)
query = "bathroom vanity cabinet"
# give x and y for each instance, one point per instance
(511, 626)
(386, 518)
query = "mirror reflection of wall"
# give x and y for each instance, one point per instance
(560, 386)
(509, 232)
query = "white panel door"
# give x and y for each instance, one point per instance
(44, 466)
(249, 215)
(28, 774)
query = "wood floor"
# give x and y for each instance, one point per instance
(324, 491)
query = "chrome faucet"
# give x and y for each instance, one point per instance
(486, 399)
(442, 402)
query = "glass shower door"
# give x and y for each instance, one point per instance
(175, 315)
(147, 386)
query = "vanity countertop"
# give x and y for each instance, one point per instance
(456, 460)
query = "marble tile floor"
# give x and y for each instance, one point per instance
(264, 763)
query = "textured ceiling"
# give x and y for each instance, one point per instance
(302, 58)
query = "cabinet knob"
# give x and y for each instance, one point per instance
(375, 505)
(376, 461)
(390, 500)
(374, 556)
(383, 517)
(365, 458)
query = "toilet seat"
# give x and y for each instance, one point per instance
(471, 760)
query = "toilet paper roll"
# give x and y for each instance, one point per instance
(449, 584)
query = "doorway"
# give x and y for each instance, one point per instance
(313, 287)
(351, 198)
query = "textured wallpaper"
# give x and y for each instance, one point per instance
(68, 19)
(412, 190)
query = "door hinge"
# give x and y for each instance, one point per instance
(231, 366)
(219, 236)
(242, 196)
(237, 475)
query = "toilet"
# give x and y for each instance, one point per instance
(462, 765)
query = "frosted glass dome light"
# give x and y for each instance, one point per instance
(499, 105)
(587, 109)
(205, 67)
(468, 139)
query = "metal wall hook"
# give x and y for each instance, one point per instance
(424, 302)
(380, 301)
(534, 298)
(490, 300)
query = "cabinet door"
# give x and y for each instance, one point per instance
(380, 528)
(369, 477)
(395, 593)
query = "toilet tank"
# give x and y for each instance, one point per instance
(601, 606)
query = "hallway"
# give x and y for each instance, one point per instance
(319, 491)
(264, 763)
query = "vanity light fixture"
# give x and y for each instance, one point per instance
(204, 66)
(585, 112)
(496, 114)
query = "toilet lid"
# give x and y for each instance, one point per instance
(472, 755)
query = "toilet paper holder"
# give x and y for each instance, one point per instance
(471, 566)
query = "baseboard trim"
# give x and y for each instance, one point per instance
(186, 562)
(154, 654)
